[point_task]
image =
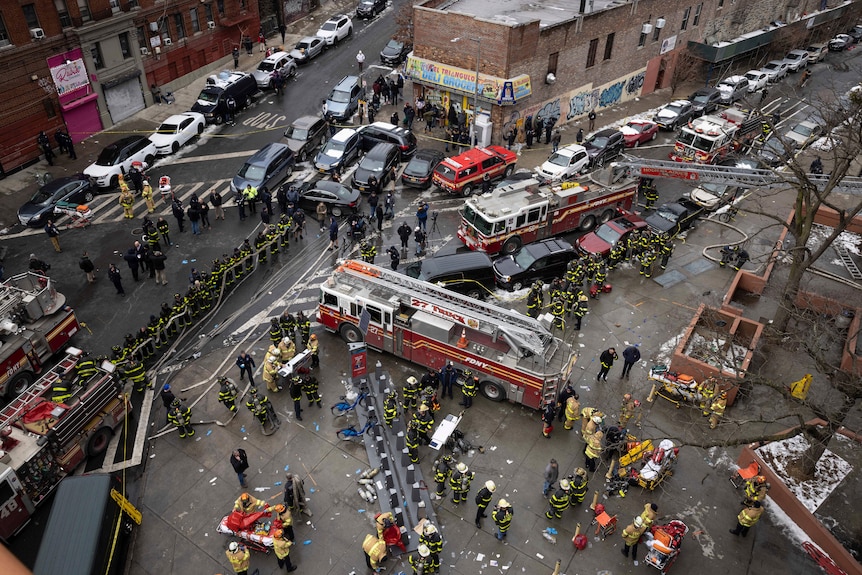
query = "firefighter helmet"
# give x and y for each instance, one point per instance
(278, 534)
(490, 486)
(233, 546)
(313, 337)
(462, 467)
(175, 402)
(244, 497)
(424, 551)
(503, 503)
(627, 396)
(253, 391)
(429, 529)
(423, 408)
(638, 521)
(279, 508)
(411, 380)
(564, 484)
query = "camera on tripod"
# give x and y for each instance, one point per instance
(433, 216)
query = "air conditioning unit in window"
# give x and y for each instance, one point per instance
(154, 26)
(211, 25)
(37, 33)
(660, 23)
(168, 41)
(647, 28)
(144, 51)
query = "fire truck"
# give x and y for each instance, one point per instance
(35, 323)
(515, 357)
(41, 441)
(526, 211)
(710, 138)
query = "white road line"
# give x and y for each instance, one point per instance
(208, 158)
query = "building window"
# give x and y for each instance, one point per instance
(30, 16)
(685, 16)
(208, 12)
(609, 46)
(180, 25)
(115, 6)
(50, 111)
(193, 16)
(125, 46)
(63, 13)
(656, 32)
(720, 4)
(84, 8)
(96, 54)
(143, 39)
(591, 55)
(133, 3)
(552, 62)
(220, 4)
(642, 39)
(697, 11)
(4, 35)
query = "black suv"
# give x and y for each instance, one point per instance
(705, 101)
(379, 163)
(604, 146)
(386, 133)
(543, 261)
(370, 8)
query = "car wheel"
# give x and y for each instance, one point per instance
(88, 196)
(115, 181)
(200, 129)
(218, 119)
(302, 156)
(654, 136)
(588, 223)
(509, 170)
(492, 390)
(149, 161)
(637, 143)
(336, 211)
(517, 286)
(288, 172)
(175, 147)
(511, 245)
(467, 191)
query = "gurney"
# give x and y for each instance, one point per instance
(255, 529)
(675, 387)
(665, 543)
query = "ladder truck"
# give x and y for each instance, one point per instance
(42, 442)
(515, 357)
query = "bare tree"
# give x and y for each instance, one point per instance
(687, 68)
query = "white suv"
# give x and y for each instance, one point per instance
(564, 163)
(335, 29)
(117, 158)
(796, 60)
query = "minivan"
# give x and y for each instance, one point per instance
(343, 100)
(381, 162)
(468, 273)
(338, 152)
(212, 101)
(265, 169)
(384, 132)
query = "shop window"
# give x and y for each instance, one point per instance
(30, 16)
(196, 23)
(552, 63)
(96, 54)
(63, 13)
(698, 9)
(685, 16)
(125, 46)
(180, 26)
(609, 46)
(591, 54)
(4, 35)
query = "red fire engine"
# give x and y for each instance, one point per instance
(514, 356)
(42, 441)
(526, 211)
(35, 323)
(710, 138)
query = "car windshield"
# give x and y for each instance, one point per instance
(559, 159)
(609, 234)
(794, 56)
(599, 141)
(753, 77)
(524, 259)
(803, 130)
(302, 46)
(339, 97)
(701, 99)
(674, 108)
(445, 171)
(328, 27)
(109, 156)
(394, 45)
(372, 164)
(266, 66)
(252, 172)
(294, 133)
(476, 220)
(208, 97)
(714, 189)
(771, 67)
(417, 166)
(333, 149)
(168, 129)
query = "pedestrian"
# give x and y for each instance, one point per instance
(239, 556)
(763, 95)
(45, 145)
(419, 237)
(264, 216)
(394, 258)
(549, 128)
(375, 552)
(631, 355)
(448, 375)
(579, 137)
(216, 201)
(528, 133)
(322, 212)
(294, 494)
(156, 93)
(631, 536)
(114, 276)
(157, 261)
(422, 216)
(136, 176)
(177, 210)
(239, 462)
(167, 396)
(502, 516)
(607, 360)
(281, 545)
(245, 363)
(404, 233)
(549, 413)
(373, 200)
(194, 214)
(360, 61)
(483, 499)
(379, 216)
(592, 118)
(747, 518)
(333, 233)
(555, 140)
(552, 473)
(70, 144)
(389, 206)
(261, 41)
(88, 268)
(132, 260)
(205, 215)
(53, 235)
(249, 194)
(248, 45)
(230, 114)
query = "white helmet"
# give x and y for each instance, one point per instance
(429, 529)
(503, 503)
(564, 484)
(462, 467)
(597, 420)
(271, 359)
(424, 551)
(490, 486)
(638, 521)
(233, 546)
(411, 380)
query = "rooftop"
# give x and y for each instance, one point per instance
(548, 13)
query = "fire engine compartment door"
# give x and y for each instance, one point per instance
(15, 507)
(379, 334)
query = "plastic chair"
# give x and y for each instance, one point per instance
(743, 474)
(605, 524)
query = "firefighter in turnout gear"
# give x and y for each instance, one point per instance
(410, 391)
(136, 373)
(85, 369)
(647, 258)
(309, 386)
(260, 246)
(755, 489)
(572, 410)
(717, 409)
(180, 311)
(270, 373)
(483, 500)
(430, 537)
(274, 331)
(260, 407)
(618, 253)
(62, 389)
(581, 310)
(469, 388)
(442, 470)
(304, 325)
(288, 325)
(423, 561)
(390, 409)
(577, 486)
(559, 501)
(460, 483)
(707, 389)
(286, 517)
(424, 422)
(314, 347)
(535, 299)
(558, 309)
(502, 516)
(367, 251)
(666, 251)
(647, 188)
(228, 393)
(411, 440)
(181, 416)
(239, 556)
(286, 349)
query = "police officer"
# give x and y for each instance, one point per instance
(483, 499)
(228, 393)
(448, 375)
(460, 483)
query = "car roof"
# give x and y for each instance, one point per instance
(275, 56)
(346, 81)
(474, 156)
(776, 62)
(549, 246)
(733, 79)
(305, 121)
(336, 18)
(264, 154)
(678, 103)
(606, 132)
(758, 72)
(627, 222)
(381, 150)
(707, 91)
(309, 39)
(454, 262)
(386, 127)
(126, 141)
(177, 118)
(326, 185)
(428, 154)
(344, 134)
(571, 150)
(799, 52)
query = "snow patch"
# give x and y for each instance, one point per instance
(665, 350)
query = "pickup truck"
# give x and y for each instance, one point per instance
(674, 217)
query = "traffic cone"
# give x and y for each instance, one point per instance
(462, 341)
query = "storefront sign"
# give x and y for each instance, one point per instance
(70, 76)
(500, 90)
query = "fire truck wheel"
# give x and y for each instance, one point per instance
(588, 223)
(19, 385)
(492, 390)
(98, 443)
(606, 215)
(511, 245)
(350, 333)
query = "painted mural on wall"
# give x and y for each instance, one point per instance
(576, 104)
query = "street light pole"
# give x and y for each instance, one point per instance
(478, 41)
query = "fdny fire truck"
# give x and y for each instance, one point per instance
(711, 138)
(526, 211)
(41, 441)
(515, 356)
(35, 323)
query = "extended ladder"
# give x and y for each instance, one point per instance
(528, 331)
(847, 261)
(21, 404)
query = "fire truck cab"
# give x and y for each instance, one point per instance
(710, 138)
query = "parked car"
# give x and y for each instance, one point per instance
(710, 196)
(773, 152)
(177, 131)
(604, 146)
(117, 158)
(384, 132)
(757, 80)
(775, 70)
(77, 189)
(816, 52)
(855, 32)
(305, 135)
(338, 152)
(803, 133)
(796, 60)
(544, 260)
(417, 172)
(732, 89)
(343, 100)
(637, 132)
(565, 163)
(370, 8)
(379, 163)
(339, 199)
(265, 169)
(469, 273)
(840, 43)
(603, 239)
(395, 52)
(335, 29)
(673, 114)
(674, 217)
(279, 61)
(307, 49)
(705, 100)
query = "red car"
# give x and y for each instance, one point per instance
(638, 132)
(602, 240)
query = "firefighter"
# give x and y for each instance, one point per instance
(631, 536)
(558, 309)
(246, 504)
(534, 299)
(717, 409)
(469, 388)
(728, 254)
(260, 246)
(288, 325)
(314, 347)
(747, 518)
(410, 391)
(649, 514)
(647, 258)
(618, 252)
(601, 277)
(587, 414)
(274, 331)
(421, 561)
(593, 450)
(559, 500)
(181, 417)
(135, 373)
(270, 373)
(581, 310)
(239, 556)
(649, 190)
(390, 409)
(310, 386)
(411, 440)
(375, 552)
(424, 422)
(281, 546)
(258, 406)
(460, 482)
(272, 238)
(286, 349)
(295, 391)
(572, 411)
(741, 258)
(755, 489)
(284, 224)
(502, 516)
(228, 393)
(62, 389)
(593, 425)
(430, 537)
(286, 517)
(627, 409)
(578, 486)
(666, 251)
(178, 311)
(706, 390)
(367, 251)
(431, 379)
(483, 499)
(442, 470)
(304, 325)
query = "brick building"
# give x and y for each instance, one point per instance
(559, 61)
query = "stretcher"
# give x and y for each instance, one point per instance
(255, 529)
(658, 464)
(677, 388)
(664, 544)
